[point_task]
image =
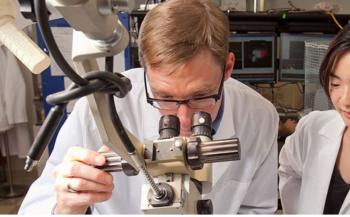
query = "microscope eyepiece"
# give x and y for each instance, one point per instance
(169, 126)
(201, 124)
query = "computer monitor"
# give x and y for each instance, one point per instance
(292, 54)
(255, 57)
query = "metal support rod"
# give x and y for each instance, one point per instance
(8, 163)
(140, 164)
(156, 191)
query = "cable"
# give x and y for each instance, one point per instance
(334, 19)
(129, 146)
(118, 125)
(146, 3)
(293, 6)
(106, 82)
(134, 30)
(43, 21)
(279, 86)
(300, 88)
(109, 64)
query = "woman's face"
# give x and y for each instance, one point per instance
(339, 87)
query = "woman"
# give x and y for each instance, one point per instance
(314, 167)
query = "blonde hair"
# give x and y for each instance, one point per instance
(177, 30)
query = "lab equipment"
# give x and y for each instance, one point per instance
(177, 173)
(315, 97)
(293, 59)
(255, 57)
(174, 161)
(108, 39)
(18, 42)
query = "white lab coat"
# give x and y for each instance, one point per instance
(245, 186)
(13, 105)
(307, 161)
(12, 91)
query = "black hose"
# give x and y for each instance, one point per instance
(106, 82)
(43, 21)
(114, 84)
(75, 92)
(118, 125)
(109, 64)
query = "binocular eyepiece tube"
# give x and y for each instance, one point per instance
(169, 125)
(200, 151)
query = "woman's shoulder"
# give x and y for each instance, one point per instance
(317, 119)
(319, 116)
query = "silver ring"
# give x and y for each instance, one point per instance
(70, 189)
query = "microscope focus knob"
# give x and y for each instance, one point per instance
(201, 152)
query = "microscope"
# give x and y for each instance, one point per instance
(180, 166)
(177, 169)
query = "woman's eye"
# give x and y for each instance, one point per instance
(335, 85)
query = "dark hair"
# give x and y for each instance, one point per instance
(337, 48)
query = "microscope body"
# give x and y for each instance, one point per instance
(166, 162)
(181, 166)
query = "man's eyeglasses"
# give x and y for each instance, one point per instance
(194, 103)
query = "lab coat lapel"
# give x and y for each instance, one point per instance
(151, 123)
(345, 209)
(330, 135)
(226, 130)
(151, 117)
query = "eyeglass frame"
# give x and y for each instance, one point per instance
(151, 100)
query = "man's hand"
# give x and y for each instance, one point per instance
(79, 184)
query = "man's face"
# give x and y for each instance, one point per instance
(339, 87)
(200, 77)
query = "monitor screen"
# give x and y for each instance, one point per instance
(292, 54)
(255, 57)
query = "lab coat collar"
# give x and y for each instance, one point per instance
(333, 129)
(151, 117)
(329, 147)
(345, 208)
(340, 127)
(226, 128)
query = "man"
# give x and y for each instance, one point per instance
(184, 50)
